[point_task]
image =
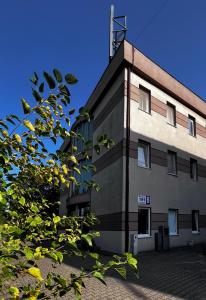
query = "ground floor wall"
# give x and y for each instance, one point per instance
(114, 241)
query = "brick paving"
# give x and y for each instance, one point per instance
(176, 274)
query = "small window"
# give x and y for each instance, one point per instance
(83, 211)
(192, 126)
(195, 221)
(172, 163)
(193, 169)
(172, 221)
(143, 221)
(143, 154)
(145, 100)
(171, 114)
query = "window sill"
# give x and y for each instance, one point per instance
(195, 232)
(175, 126)
(194, 136)
(174, 234)
(171, 174)
(143, 236)
(147, 168)
(147, 112)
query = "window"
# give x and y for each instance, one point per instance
(83, 210)
(143, 221)
(85, 176)
(192, 125)
(171, 114)
(143, 154)
(195, 221)
(193, 169)
(172, 163)
(172, 221)
(145, 100)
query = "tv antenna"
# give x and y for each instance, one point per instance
(117, 31)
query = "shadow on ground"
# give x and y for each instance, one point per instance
(175, 274)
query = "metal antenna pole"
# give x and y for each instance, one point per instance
(117, 31)
(111, 32)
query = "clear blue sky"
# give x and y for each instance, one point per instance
(73, 36)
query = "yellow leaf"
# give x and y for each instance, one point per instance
(64, 168)
(29, 125)
(26, 107)
(50, 161)
(14, 291)
(56, 171)
(61, 177)
(17, 138)
(35, 272)
(73, 159)
(5, 133)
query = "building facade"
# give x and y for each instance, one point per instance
(153, 180)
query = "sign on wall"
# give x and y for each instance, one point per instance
(143, 199)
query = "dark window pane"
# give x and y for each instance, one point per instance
(143, 221)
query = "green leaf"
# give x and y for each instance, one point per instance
(121, 271)
(34, 208)
(36, 221)
(99, 276)
(2, 199)
(41, 87)
(53, 256)
(36, 96)
(26, 106)
(34, 79)
(59, 257)
(57, 75)
(14, 292)
(72, 111)
(49, 80)
(22, 200)
(10, 192)
(28, 253)
(64, 90)
(15, 117)
(2, 123)
(77, 170)
(131, 260)
(87, 238)
(10, 120)
(71, 79)
(94, 255)
(56, 219)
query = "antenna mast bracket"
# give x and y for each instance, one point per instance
(117, 32)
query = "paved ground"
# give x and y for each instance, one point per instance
(177, 274)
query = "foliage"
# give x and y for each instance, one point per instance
(30, 228)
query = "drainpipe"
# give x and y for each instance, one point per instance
(127, 163)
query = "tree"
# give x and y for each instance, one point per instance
(30, 228)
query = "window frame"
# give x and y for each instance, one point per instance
(192, 160)
(170, 105)
(177, 222)
(142, 235)
(169, 152)
(144, 89)
(148, 159)
(191, 118)
(197, 213)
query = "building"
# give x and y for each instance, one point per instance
(155, 175)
